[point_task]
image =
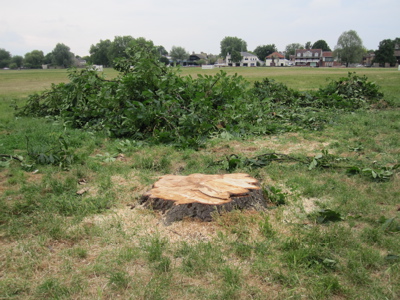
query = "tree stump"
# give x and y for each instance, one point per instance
(200, 195)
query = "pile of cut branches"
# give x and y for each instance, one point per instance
(150, 101)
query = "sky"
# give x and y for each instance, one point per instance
(197, 26)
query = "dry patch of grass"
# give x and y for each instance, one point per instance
(144, 222)
(285, 144)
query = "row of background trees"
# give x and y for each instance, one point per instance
(349, 49)
(60, 56)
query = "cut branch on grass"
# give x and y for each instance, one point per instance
(12, 157)
(323, 160)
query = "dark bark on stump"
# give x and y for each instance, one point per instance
(200, 196)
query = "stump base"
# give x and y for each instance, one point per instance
(200, 196)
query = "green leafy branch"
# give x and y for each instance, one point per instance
(60, 154)
(323, 160)
(149, 101)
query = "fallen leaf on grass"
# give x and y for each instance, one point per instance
(82, 191)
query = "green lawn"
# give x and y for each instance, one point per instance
(328, 233)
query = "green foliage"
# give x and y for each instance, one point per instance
(5, 58)
(178, 54)
(291, 49)
(229, 44)
(383, 174)
(275, 195)
(118, 47)
(59, 155)
(351, 92)
(321, 44)
(263, 51)
(34, 59)
(326, 215)
(100, 53)
(17, 61)
(129, 145)
(150, 101)
(235, 56)
(386, 52)
(349, 47)
(323, 160)
(62, 56)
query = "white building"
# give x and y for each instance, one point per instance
(248, 60)
(276, 59)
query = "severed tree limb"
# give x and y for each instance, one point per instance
(11, 157)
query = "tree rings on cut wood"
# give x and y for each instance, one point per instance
(201, 195)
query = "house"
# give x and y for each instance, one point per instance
(193, 58)
(328, 60)
(315, 58)
(248, 60)
(276, 59)
(308, 57)
(79, 62)
(368, 59)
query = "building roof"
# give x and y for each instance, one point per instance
(275, 55)
(308, 50)
(200, 56)
(246, 54)
(327, 54)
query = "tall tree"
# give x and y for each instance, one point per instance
(34, 59)
(178, 53)
(385, 52)
(291, 49)
(119, 46)
(5, 58)
(100, 53)
(307, 45)
(17, 60)
(62, 56)
(263, 51)
(349, 48)
(48, 58)
(321, 44)
(161, 50)
(163, 53)
(230, 44)
(236, 56)
(212, 59)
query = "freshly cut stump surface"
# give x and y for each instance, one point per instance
(199, 195)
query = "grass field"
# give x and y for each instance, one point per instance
(327, 233)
